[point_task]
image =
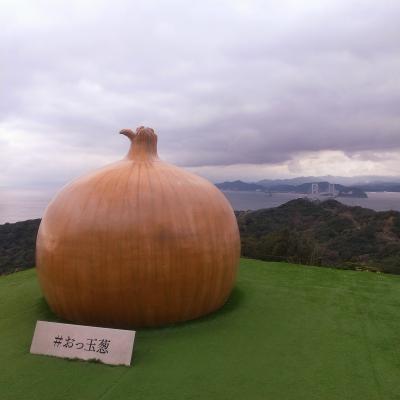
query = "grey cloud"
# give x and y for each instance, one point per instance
(223, 83)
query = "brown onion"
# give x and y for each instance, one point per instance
(137, 243)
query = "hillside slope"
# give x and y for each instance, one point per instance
(286, 333)
(325, 233)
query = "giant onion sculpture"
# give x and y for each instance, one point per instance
(137, 243)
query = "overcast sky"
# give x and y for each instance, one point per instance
(234, 89)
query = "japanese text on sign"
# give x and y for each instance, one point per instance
(91, 344)
(111, 346)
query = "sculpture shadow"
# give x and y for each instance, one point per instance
(44, 312)
(234, 302)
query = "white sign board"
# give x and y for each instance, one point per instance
(110, 346)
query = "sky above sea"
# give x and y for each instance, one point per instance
(235, 89)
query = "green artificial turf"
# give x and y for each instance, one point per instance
(287, 332)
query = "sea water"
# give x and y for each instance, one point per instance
(20, 205)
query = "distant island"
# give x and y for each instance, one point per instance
(312, 188)
(368, 182)
(380, 187)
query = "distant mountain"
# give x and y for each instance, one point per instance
(325, 233)
(292, 181)
(240, 186)
(347, 181)
(282, 188)
(380, 187)
(342, 191)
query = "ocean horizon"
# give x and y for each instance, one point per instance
(20, 205)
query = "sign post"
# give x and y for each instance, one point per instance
(110, 346)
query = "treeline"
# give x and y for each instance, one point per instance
(325, 233)
(17, 245)
(301, 231)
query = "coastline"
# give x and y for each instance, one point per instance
(17, 206)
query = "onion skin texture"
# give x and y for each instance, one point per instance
(138, 243)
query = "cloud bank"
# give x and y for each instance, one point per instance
(232, 88)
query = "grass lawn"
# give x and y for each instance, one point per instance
(287, 332)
